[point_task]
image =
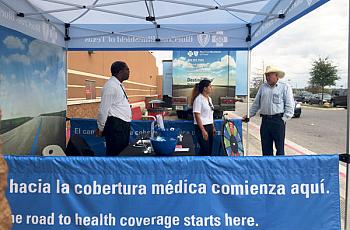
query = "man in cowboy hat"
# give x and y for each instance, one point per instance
(275, 102)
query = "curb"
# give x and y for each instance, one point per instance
(321, 108)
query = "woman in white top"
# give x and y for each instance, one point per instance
(203, 111)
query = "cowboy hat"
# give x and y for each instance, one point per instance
(273, 69)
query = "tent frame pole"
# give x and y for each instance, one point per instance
(347, 202)
(249, 60)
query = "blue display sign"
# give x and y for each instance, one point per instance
(298, 192)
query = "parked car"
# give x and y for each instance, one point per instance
(298, 98)
(307, 98)
(318, 99)
(303, 96)
(297, 109)
(340, 98)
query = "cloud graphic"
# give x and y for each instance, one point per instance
(205, 67)
(182, 63)
(41, 51)
(227, 59)
(42, 74)
(12, 42)
(20, 58)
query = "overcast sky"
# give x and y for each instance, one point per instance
(321, 33)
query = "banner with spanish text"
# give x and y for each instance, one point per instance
(274, 193)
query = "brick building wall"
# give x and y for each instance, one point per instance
(93, 69)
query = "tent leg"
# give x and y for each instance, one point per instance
(248, 97)
(347, 203)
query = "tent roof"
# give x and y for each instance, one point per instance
(155, 24)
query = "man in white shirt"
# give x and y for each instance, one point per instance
(275, 102)
(114, 115)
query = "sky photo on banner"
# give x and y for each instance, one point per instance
(32, 92)
(189, 67)
(30, 77)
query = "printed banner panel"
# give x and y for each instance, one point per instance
(274, 193)
(32, 93)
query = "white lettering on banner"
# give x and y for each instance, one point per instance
(76, 130)
(62, 187)
(239, 221)
(107, 189)
(184, 39)
(64, 220)
(199, 221)
(182, 186)
(165, 221)
(140, 132)
(88, 131)
(29, 25)
(195, 60)
(48, 32)
(16, 219)
(307, 189)
(34, 187)
(7, 15)
(168, 188)
(132, 39)
(85, 131)
(41, 220)
(99, 220)
(248, 189)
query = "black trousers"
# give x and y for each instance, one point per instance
(117, 134)
(205, 147)
(272, 129)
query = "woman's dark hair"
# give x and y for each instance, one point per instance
(198, 88)
(116, 67)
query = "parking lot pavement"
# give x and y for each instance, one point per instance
(254, 143)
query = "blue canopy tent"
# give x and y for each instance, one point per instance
(163, 24)
(157, 25)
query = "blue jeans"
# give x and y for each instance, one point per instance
(272, 129)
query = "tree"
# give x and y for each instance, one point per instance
(323, 73)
